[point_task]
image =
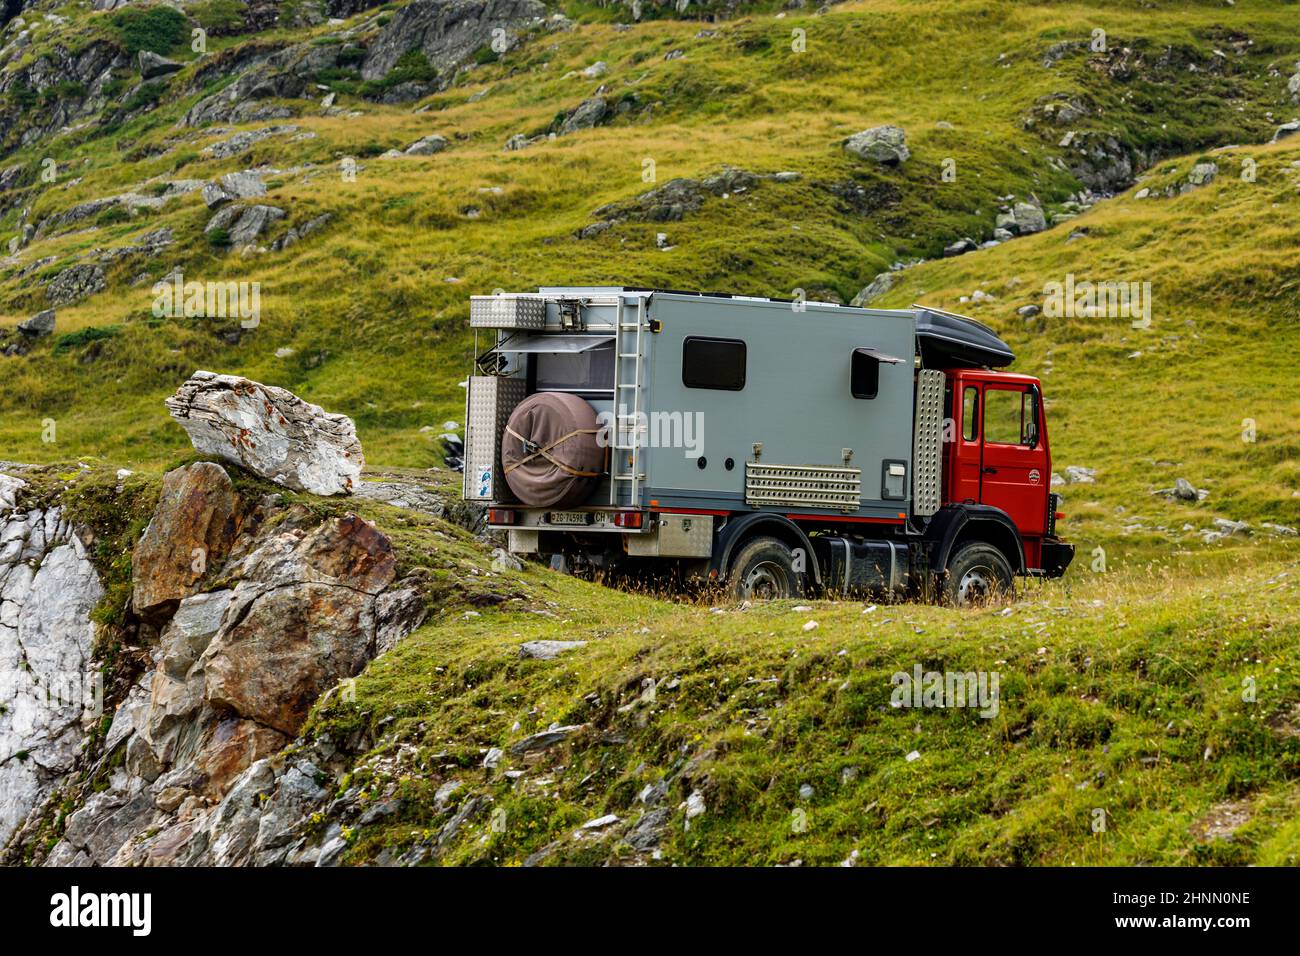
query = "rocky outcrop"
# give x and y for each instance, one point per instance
(193, 768)
(298, 233)
(85, 71)
(244, 224)
(48, 587)
(302, 619)
(153, 66)
(246, 139)
(75, 283)
(231, 186)
(674, 199)
(449, 33)
(874, 289)
(193, 528)
(269, 431)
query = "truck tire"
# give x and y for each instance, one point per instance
(764, 570)
(977, 573)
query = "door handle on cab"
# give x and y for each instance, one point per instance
(989, 470)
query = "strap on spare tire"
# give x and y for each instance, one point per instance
(551, 452)
(546, 452)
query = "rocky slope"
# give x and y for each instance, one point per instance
(247, 608)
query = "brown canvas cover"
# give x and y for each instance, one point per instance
(549, 451)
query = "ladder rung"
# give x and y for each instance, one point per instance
(628, 355)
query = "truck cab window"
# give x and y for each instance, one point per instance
(864, 375)
(1009, 416)
(713, 363)
(970, 403)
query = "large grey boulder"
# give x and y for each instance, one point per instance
(245, 185)
(75, 283)
(269, 431)
(433, 143)
(153, 66)
(886, 145)
(589, 113)
(1028, 217)
(40, 324)
(243, 224)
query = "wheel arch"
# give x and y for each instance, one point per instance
(746, 527)
(960, 524)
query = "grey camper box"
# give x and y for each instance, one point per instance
(782, 433)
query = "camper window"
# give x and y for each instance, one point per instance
(713, 363)
(864, 374)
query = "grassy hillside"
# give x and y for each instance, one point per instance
(1120, 694)
(374, 306)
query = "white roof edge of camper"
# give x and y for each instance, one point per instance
(555, 343)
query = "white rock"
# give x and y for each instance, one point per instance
(45, 645)
(271, 432)
(9, 488)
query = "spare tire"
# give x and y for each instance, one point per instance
(549, 451)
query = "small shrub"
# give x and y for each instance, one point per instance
(221, 17)
(95, 333)
(156, 29)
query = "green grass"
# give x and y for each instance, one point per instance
(1120, 694)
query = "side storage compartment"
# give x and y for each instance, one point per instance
(856, 568)
(488, 405)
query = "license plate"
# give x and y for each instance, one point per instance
(569, 517)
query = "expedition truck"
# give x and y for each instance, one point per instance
(779, 448)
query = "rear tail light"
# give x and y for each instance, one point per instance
(628, 519)
(502, 516)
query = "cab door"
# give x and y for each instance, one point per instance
(1014, 466)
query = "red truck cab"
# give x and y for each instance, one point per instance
(997, 455)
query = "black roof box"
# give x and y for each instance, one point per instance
(951, 341)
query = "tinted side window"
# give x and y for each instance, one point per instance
(713, 363)
(864, 375)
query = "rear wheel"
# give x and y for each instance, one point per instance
(764, 570)
(977, 573)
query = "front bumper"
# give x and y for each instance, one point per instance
(1056, 557)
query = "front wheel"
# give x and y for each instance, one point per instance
(977, 574)
(765, 570)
